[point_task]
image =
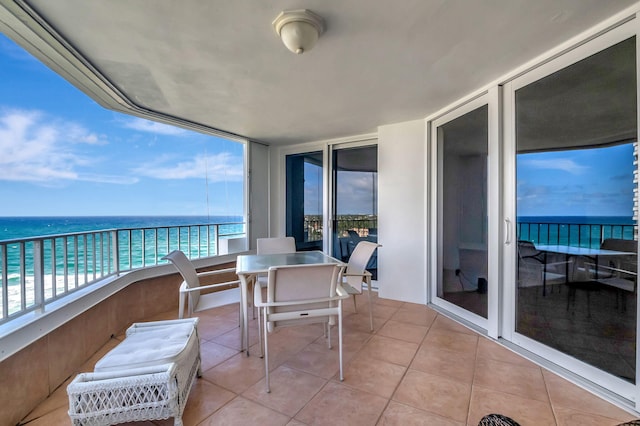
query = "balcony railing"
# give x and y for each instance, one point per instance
(574, 234)
(38, 270)
(361, 224)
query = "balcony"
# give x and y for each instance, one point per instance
(417, 367)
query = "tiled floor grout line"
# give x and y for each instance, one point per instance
(473, 380)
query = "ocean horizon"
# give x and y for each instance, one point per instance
(71, 261)
(579, 219)
(579, 231)
(15, 227)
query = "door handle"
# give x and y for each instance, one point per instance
(507, 233)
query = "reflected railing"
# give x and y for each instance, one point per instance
(36, 271)
(362, 224)
(574, 234)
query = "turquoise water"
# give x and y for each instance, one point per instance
(91, 257)
(579, 231)
(23, 227)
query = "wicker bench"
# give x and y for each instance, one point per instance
(148, 376)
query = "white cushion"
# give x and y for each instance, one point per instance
(157, 345)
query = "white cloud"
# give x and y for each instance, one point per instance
(563, 164)
(98, 178)
(153, 127)
(35, 147)
(222, 167)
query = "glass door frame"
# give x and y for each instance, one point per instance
(331, 202)
(509, 264)
(491, 98)
(282, 185)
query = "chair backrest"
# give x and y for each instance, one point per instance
(276, 245)
(302, 282)
(188, 272)
(527, 249)
(618, 244)
(358, 262)
(353, 234)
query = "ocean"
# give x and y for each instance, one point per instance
(579, 231)
(27, 226)
(71, 262)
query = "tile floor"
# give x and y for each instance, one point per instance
(417, 368)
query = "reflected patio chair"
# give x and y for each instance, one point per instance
(352, 242)
(356, 273)
(298, 295)
(619, 273)
(224, 293)
(537, 268)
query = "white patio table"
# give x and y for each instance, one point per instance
(567, 251)
(250, 265)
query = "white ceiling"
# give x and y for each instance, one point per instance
(220, 64)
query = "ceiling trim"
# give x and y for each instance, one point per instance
(20, 22)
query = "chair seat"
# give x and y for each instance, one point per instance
(619, 283)
(218, 298)
(349, 289)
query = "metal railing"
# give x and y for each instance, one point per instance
(38, 270)
(574, 234)
(361, 224)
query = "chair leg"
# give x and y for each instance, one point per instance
(355, 308)
(254, 283)
(340, 341)
(370, 305)
(328, 328)
(266, 350)
(260, 339)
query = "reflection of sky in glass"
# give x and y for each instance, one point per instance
(584, 182)
(355, 191)
(312, 189)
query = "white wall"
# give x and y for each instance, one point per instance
(258, 192)
(402, 194)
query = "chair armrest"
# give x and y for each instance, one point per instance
(185, 289)
(341, 292)
(364, 274)
(216, 272)
(611, 269)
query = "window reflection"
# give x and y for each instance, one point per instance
(577, 210)
(463, 146)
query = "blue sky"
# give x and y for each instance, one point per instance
(587, 182)
(61, 154)
(355, 192)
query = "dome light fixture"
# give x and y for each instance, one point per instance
(299, 29)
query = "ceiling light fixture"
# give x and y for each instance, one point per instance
(299, 29)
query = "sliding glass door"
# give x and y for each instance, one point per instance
(304, 199)
(575, 251)
(355, 200)
(460, 142)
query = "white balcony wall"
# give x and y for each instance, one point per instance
(259, 192)
(402, 213)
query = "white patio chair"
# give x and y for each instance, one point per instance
(227, 292)
(301, 294)
(276, 245)
(356, 273)
(273, 245)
